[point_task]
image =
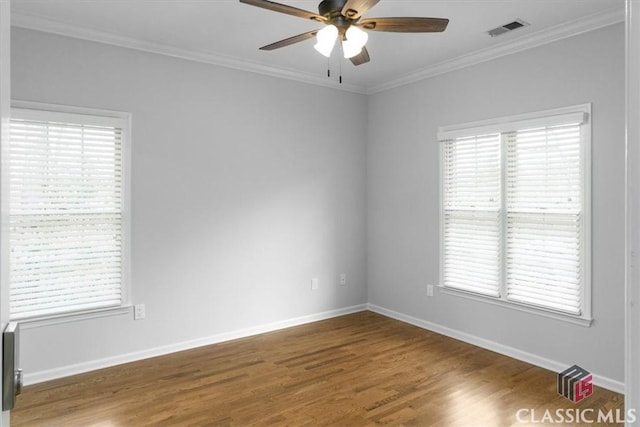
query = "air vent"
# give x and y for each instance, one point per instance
(518, 23)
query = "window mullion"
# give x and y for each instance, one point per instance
(502, 253)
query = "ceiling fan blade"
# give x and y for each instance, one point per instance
(354, 9)
(405, 25)
(290, 40)
(361, 58)
(283, 8)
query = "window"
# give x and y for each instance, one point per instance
(68, 211)
(515, 210)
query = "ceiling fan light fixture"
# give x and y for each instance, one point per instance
(355, 40)
(350, 49)
(326, 40)
(343, 20)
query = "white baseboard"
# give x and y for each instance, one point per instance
(552, 365)
(65, 371)
(534, 359)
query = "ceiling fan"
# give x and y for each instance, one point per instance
(343, 20)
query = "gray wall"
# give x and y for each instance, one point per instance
(244, 187)
(403, 191)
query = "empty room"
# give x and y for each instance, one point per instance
(345, 213)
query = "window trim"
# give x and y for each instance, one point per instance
(124, 119)
(75, 316)
(512, 123)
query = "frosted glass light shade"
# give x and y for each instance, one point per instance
(355, 40)
(326, 40)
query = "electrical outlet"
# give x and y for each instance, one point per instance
(429, 290)
(139, 312)
(343, 279)
(314, 284)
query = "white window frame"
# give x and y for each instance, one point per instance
(507, 124)
(96, 117)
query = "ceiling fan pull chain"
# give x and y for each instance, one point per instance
(341, 69)
(329, 67)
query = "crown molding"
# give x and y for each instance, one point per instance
(550, 35)
(37, 23)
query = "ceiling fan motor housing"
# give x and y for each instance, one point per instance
(331, 8)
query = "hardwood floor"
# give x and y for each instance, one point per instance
(356, 370)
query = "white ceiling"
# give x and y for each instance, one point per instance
(229, 33)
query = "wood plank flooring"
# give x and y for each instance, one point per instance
(356, 370)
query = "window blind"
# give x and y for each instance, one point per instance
(544, 217)
(66, 213)
(472, 224)
(515, 213)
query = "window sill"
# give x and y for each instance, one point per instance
(39, 322)
(576, 320)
